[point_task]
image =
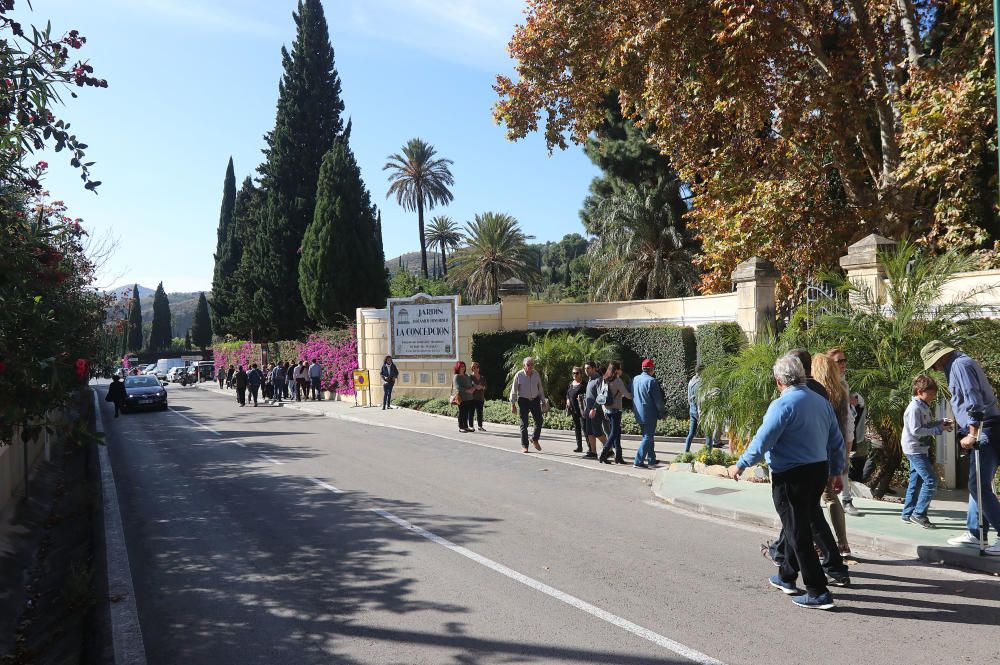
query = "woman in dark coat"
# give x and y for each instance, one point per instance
(116, 393)
(240, 380)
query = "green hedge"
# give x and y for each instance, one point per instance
(673, 350)
(717, 341)
(498, 411)
(488, 349)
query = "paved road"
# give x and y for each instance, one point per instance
(258, 543)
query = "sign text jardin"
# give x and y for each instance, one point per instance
(423, 327)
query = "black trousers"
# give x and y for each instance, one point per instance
(533, 407)
(577, 428)
(475, 413)
(463, 413)
(241, 396)
(796, 495)
(253, 392)
(829, 554)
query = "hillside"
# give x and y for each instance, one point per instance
(182, 307)
(410, 261)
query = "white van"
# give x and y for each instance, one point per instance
(164, 365)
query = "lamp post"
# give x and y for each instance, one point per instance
(996, 80)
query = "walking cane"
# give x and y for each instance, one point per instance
(977, 420)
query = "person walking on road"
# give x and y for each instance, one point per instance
(478, 397)
(801, 440)
(240, 381)
(389, 374)
(221, 376)
(826, 372)
(288, 388)
(613, 404)
(462, 389)
(971, 391)
(855, 409)
(526, 396)
(574, 405)
(315, 375)
(116, 393)
(254, 380)
(594, 421)
(229, 376)
(648, 402)
(694, 411)
(277, 381)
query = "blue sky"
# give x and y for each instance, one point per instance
(195, 81)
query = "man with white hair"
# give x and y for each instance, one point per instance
(801, 440)
(527, 394)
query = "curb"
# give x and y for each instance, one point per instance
(958, 557)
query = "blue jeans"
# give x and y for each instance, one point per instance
(692, 430)
(646, 453)
(386, 395)
(989, 459)
(614, 434)
(922, 486)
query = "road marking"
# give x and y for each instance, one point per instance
(272, 460)
(192, 420)
(325, 486)
(126, 632)
(635, 629)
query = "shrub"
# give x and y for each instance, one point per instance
(489, 349)
(712, 457)
(555, 354)
(717, 341)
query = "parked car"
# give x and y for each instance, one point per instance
(144, 392)
(149, 369)
(163, 365)
(174, 374)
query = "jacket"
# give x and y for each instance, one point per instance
(647, 399)
(389, 373)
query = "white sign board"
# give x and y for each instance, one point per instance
(423, 328)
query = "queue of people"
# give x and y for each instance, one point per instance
(300, 381)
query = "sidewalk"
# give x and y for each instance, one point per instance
(879, 529)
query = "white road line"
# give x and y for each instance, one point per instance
(192, 420)
(635, 629)
(325, 486)
(126, 633)
(272, 460)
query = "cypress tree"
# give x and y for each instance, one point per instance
(249, 318)
(201, 327)
(187, 340)
(160, 334)
(228, 250)
(133, 334)
(342, 266)
(307, 122)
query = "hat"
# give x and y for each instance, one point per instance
(648, 363)
(933, 351)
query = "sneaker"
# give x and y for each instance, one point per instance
(965, 539)
(994, 549)
(787, 588)
(905, 519)
(850, 509)
(838, 579)
(482, 429)
(922, 521)
(824, 601)
(537, 445)
(640, 465)
(590, 456)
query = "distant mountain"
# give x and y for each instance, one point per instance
(182, 307)
(410, 262)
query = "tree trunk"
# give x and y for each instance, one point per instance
(892, 456)
(423, 245)
(444, 259)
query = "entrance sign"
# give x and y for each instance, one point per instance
(423, 328)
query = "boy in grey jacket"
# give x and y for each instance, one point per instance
(919, 427)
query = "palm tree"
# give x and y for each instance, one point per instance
(641, 250)
(556, 353)
(419, 180)
(495, 251)
(443, 233)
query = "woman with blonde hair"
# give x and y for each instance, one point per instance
(825, 370)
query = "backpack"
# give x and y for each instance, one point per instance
(602, 393)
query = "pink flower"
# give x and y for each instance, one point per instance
(41, 166)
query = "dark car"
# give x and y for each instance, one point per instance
(144, 392)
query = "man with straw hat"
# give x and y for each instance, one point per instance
(971, 391)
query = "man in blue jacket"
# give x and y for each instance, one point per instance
(647, 400)
(801, 440)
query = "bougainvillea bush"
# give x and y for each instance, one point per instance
(336, 351)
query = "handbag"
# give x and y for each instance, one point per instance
(456, 399)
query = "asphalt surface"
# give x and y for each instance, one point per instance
(259, 543)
